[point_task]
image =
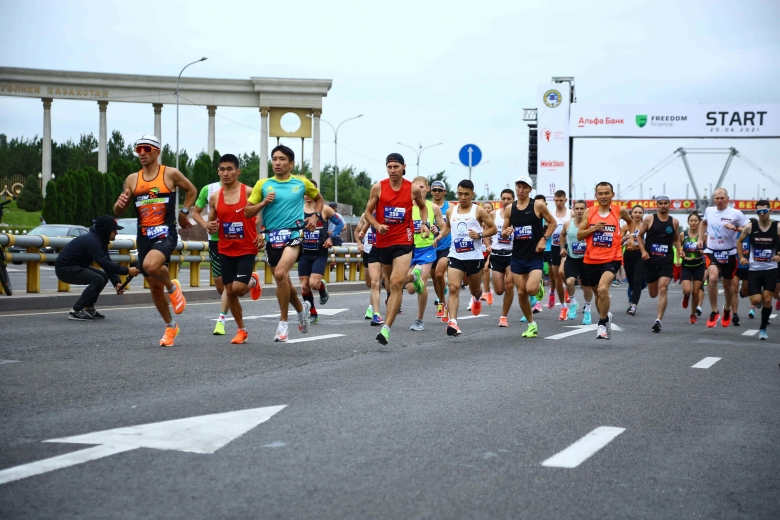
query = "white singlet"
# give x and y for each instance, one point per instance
(463, 247)
(560, 221)
(500, 246)
(718, 237)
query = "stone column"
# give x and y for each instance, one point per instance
(315, 154)
(158, 124)
(46, 144)
(264, 142)
(212, 111)
(103, 138)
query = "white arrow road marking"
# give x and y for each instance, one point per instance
(706, 362)
(321, 312)
(471, 316)
(750, 332)
(314, 338)
(204, 434)
(579, 329)
(581, 450)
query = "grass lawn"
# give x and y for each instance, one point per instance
(16, 217)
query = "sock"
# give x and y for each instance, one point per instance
(564, 305)
(171, 324)
(587, 306)
(602, 321)
(252, 283)
(307, 296)
(504, 317)
(532, 299)
(371, 308)
(765, 312)
(172, 289)
(239, 330)
(322, 288)
(573, 300)
(222, 317)
(454, 321)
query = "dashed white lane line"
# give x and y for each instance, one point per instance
(580, 329)
(706, 362)
(321, 312)
(584, 448)
(471, 317)
(750, 332)
(8, 361)
(314, 338)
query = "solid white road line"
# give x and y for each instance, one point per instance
(471, 316)
(580, 329)
(772, 316)
(314, 338)
(750, 332)
(584, 448)
(706, 362)
(7, 361)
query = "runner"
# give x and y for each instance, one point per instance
(693, 269)
(373, 270)
(573, 251)
(487, 293)
(600, 228)
(741, 283)
(721, 224)
(438, 192)
(632, 260)
(314, 260)
(281, 199)
(764, 235)
(392, 200)
(238, 240)
(424, 252)
(536, 305)
(557, 276)
(202, 205)
(471, 225)
(523, 222)
(658, 236)
(153, 191)
(501, 256)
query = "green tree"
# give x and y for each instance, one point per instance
(31, 198)
(51, 207)
(201, 171)
(450, 195)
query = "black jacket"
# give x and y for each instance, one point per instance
(92, 247)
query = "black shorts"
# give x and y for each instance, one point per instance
(728, 269)
(572, 267)
(500, 263)
(469, 267)
(760, 281)
(591, 273)
(694, 273)
(742, 274)
(312, 264)
(441, 253)
(548, 257)
(216, 271)
(555, 257)
(237, 268)
(274, 254)
(386, 255)
(658, 267)
(165, 245)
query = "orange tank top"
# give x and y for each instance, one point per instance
(604, 246)
(154, 202)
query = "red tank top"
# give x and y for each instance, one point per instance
(395, 211)
(236, 232)
(604, 246)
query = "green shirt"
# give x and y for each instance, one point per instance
(287, 208)
(419, 241)
(203, 202)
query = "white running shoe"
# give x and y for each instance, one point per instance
(601, 332)
(303, 318)
(281, 332)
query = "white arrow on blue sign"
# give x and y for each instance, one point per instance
(470, 155)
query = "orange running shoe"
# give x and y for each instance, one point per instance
(177, 298)
(446, 317)
(440, 310)
(685, 299)
(476, 307)
(564, 314)
(713, 319)
(169, 336)
(502, 322)
(726, 319)
(453, 329)
(693, 319)
(257, 291)
(240, 337)
(566, 293)
(490, 298)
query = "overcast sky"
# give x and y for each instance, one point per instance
(421, 72)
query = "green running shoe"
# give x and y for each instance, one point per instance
(219, 329)
(384, 335)
(540, 295)
(324, 295)
(531, 331)
(369, 313)
(314, 318)
(419, 287)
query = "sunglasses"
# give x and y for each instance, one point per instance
(762, 211)
(437, 190)
(144, 148)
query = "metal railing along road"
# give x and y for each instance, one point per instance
(348, 263)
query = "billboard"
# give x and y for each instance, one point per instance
(553, 139)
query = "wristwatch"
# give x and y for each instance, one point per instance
(480, 234)
(186, 211)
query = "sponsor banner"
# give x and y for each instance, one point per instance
(750, 205)
(748, 120)
(553, 139)
(649, 204)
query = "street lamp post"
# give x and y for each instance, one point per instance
(418, 152)
(470, 168)
(177, 123)
(336, 146)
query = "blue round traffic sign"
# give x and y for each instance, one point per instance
(470, 155)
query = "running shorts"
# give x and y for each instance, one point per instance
(592, 272)
(526, 265)
(742, 273)
(760, 281)
(555, 258)
(274, 254)
(694, 273)
(441, 253)
(572, 267)
(469, 267)
(499, 263)
(166, 245)
(658, 267)
(386, 255)
(237, 268)
(216, 271)
(424, 255)
(312, 264)
(727, 267)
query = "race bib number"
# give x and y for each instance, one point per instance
(523, 233)
(604, 238)
(690, 247)
(394, 215)
(233, 230)
(371, 236)
(311, 238)
(417, 227)
(722, 257)
(578, 248)
(504, 240)
(762, 255)
(278, 239)
(556, 239)
(463, 245)
(659, 249)
(157, 232)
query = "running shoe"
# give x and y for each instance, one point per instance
(586, 319)
(436, 302)
(440, 310)
(484, 297)
(699, 312)
(551, 300)
(490, 298)
(95, 314)
(685, 299)
(314, 318)
(177, 298)
(369, 313)
(726, 319)
(239, 338)
(476, 306)
(713, 320)
(609, 325)
(446, 317)
(324, 296)
(418, 325)
(540, 294)
(257, 291)
(169, 336)
(303, 318)
(631, 310)
(572, 314)
(81, 315)
(762, 335)
(471, 303)
(777, 305)
(418, 284)
(219, 329)
(377, 320)
(532, 331)
(400, 310)
(566, 296)
(693, 319)
(735, 320)
(523, 319)
(502, 322)
(601, 332)
(453, 329)
(752, 314)
(281, 332)
(563, 314)
(657, 326)
(384, 335)
(537, 307)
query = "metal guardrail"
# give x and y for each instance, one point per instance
(344, 259)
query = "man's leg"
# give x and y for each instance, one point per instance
(396, 274)
(439, 278)
(233, 291)
(80, 276)
(663, 290)
(766, 309)
(155, 268)
(602, 294)
(559, 282)
(157, 290)
(728, 292)
(712, 287)
(508, 290)
(422, 298)
(523, 292)
(475, 284)
(454, 278)
(375, 273)
(97, 286)
(285, 292)
(736, 293)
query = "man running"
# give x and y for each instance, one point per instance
(523, 222)
(722, 225)
(657, 237)
(557, 276)
(600, 228)
(314, 259)
(391, 200)
(373, 269)
(764, 235)
(238, 240)
(573, 252)
(424, 252)
(469, 224)
(438, 192)
(281, 200)
(153, 191)
(500, 257)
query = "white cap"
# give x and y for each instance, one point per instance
(525, 179)
(150, 140)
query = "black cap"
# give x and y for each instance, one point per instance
(107, 222)
(395, 157)
(333, 205)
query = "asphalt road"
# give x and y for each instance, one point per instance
(426, 427)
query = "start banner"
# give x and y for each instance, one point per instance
(649, 204)
(734, 121)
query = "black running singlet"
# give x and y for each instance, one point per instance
(528, 231)
(659, 239)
